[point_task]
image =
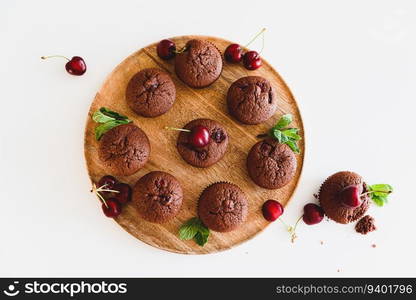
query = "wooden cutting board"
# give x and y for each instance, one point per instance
(191, 104)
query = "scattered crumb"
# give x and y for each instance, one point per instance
(365, 225)
(322, 242)
(338, 270)
(316, 196)
(373, 245)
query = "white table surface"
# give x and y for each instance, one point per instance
(350, 64)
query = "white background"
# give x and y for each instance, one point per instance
(350, 64)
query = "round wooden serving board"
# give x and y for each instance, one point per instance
(191, 104)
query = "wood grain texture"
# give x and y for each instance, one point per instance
(190, 104)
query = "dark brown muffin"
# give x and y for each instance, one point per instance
(251, 100)
(271, 165)
(150, 93)
(199, 65)
(222, 207)
(124, 150)
(158, 197)
(203, 157)
(332, 204)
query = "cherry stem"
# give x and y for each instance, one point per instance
(372, 192)
(260, 136)
(262, 45)
(294, 236)
(53, 56)
(255, 37)
(177, 129)
(181, 50)
(102, 188)
(292, 230)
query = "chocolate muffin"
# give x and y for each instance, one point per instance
(331, 202)
(150, 93)
(270, 164)
(208, 155)
(222, 207)
(158, 197)
(251, 100)
(124, 149)
(199, 65)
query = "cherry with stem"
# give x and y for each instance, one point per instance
(98, 190)
(74, 66)
(198, 136)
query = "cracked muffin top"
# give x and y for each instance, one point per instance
(150, 93)
(199, 65)
(223, 207)
(158, 197)
(251, 100)
(124, 149)
(331, 202)
(208, 155)
(270, 164)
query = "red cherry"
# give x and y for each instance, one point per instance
(312, 214)
(112, 209)
(350, 196)
(272, 210)
(199, 136)
(166, 49)
(107, 182)
(233, 53)
(252, 60)
(124, 192)
(75, 66)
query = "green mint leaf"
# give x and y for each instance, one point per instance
(381, 188)
(284, 121)
(379, 200)
(277, 134)
(194, 229)
(189, 229)
(201, 238)
(103, 128)
(292, 144)
(379, 193)
(99, 117)
(292, 133)
(112, 114)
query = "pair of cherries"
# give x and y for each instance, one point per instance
(113, 194)
(251, 59)
(312, 213)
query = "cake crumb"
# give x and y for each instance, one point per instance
(373, 245)
(338, 270)
(322, 242)
(365, 225)
(316, 196)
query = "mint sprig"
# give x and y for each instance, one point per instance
(108, 120)
(284, 135)
(379, 193)
(194, 229)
